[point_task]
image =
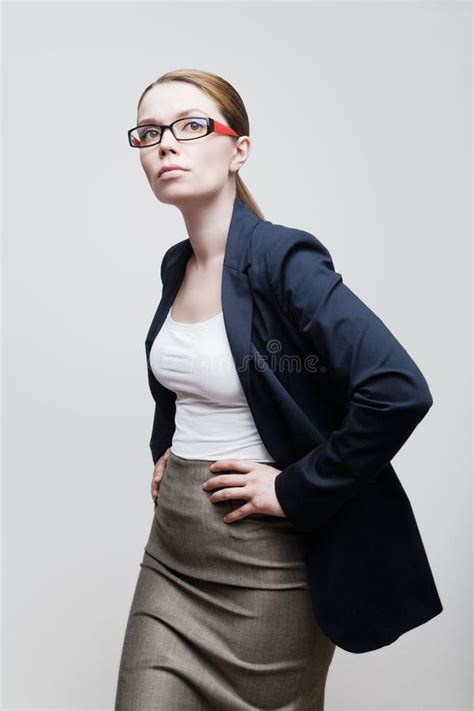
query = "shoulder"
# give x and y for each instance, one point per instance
(282, 251)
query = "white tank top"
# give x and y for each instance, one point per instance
(213, 419)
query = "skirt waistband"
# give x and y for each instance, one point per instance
(193, 462)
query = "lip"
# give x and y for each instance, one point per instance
(169, 168)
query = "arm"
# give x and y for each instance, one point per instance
(162, 432)
(386, 392)
(163, 419)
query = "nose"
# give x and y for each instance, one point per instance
(167, 139)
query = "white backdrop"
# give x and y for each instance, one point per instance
(360, 126)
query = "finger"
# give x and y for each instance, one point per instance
(238, 464)
(239, 513)
(159, 472)
(155, 488)
(229, 493)
(224, 480)
(163, 459)
(161, 468)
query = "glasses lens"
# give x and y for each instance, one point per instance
(145, 136)
(190, 128)
(184, 130)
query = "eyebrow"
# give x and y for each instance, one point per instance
(181, 113)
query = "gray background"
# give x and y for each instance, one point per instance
(360, 121)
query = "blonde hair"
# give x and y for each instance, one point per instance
(230, 105)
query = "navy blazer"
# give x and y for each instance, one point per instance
(334, 396)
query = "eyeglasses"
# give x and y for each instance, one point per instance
(185, 129)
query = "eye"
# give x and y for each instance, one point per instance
(149, 133)
(191, 127)
(195, 124)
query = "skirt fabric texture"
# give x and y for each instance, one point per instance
(221, 615)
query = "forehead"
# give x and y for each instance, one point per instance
(165, 102)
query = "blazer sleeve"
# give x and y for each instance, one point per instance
(163, 418)
(386, 393)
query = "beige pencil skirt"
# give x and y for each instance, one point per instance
(221, 614)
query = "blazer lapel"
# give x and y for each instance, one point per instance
(236, 293)
(171, 282)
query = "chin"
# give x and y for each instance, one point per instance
(175, 197)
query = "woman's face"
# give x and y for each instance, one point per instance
(209, 162)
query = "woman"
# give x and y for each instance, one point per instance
(274, 493)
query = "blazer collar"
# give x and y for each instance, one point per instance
(236, 292)
(237, 250)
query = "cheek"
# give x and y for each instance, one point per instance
(148, 165)
(213, 165)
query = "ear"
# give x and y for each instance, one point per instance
(242, 151)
